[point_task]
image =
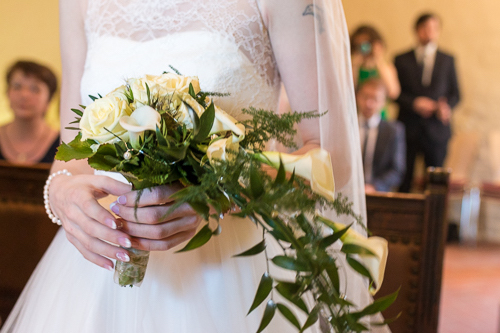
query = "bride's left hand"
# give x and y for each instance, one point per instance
(149, 225)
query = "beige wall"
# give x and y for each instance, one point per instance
(471, 31)
(29, 30)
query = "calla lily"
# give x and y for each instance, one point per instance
(315, 166)
(219, 149)
(223, 122)
(375, 263)
(142, 119)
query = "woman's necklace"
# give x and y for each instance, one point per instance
(24, 155)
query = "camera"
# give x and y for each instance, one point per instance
(365, 48)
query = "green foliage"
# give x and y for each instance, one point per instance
(265, 125)
(284, 206)
(75, 150)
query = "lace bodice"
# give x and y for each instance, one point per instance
(223, 42)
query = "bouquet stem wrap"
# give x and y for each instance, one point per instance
(132, 273)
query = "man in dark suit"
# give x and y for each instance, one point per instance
(429, 91)
(382, 142)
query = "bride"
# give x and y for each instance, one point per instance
(243, 47)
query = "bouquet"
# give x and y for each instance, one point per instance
(157, 130)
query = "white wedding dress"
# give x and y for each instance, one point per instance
(226, 45)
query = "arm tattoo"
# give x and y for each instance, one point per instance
(317, 13)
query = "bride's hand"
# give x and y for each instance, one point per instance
(149, 224)
(87, 224)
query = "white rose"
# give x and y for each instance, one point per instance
(142, 119)
(375, 263)
(140, 91)
(102, 117)
(315, 166)
(119, 92)
(174, 82)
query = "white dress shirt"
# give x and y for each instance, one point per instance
(426, 55)
(368, 131)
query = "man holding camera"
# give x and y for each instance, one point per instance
(429, 91)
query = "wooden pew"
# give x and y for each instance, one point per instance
(25, 229)
(415, 226)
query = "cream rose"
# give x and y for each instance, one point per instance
(142, 119)
(315, 166)
(139, 89)
(119, 92)
(102, 117)
(174, 82)
(375, 263)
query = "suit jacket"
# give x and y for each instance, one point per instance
(443, 84)
(389, 159)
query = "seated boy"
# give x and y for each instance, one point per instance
(382, 142)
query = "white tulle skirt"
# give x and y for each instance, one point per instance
(205, 290)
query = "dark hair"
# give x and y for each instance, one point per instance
(372, 82)
(424, 18)
(371, 32)
(41, 72)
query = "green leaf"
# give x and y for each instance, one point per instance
(256, 184)
(72, 128)
(291, 264)
(194, 119)
(281, 176)
(160, 138)
(329, 240)
(387, 321)
(377, 306)
(278, 235)
(201, 208)
(285, 311)
(268, 315)
(199, 239)
(356, 249)
(292, 177)
(148, 92)
(290, 292)
(175, 153)
(78, 112)
(191, 90)
(206, 123)
(358, 267)
(254, 250)
(311, 319)
(304, 224)
(105, 158)
(263, 290)
(93, 98)
(333, 273)
(75, 150)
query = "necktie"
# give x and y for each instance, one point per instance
(365, 141)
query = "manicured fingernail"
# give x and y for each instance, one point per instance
(122, 200)
(125, 242)
(114, 208)
(123, 257)
(109, 268)
(110, 223)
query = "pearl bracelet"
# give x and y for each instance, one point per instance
(46, 202)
